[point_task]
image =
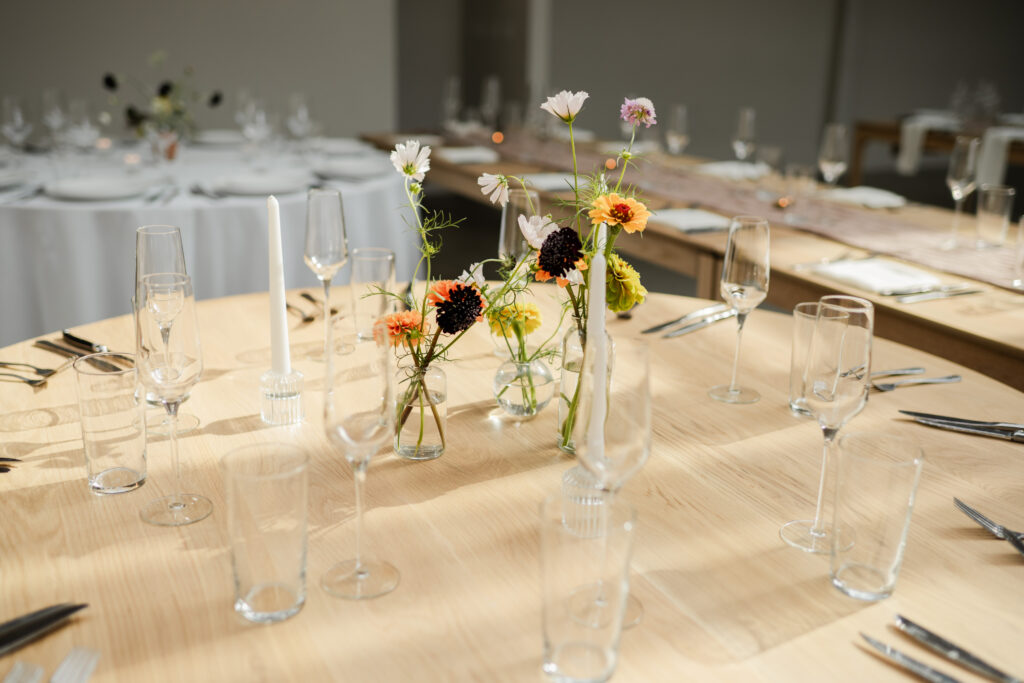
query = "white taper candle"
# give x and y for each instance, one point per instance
(281, 362)
(597, 345)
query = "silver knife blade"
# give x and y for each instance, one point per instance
(914, 298)
(683, 318)
(1013, 426)
(1017, 436)
(700, 324)
(950, 651)
(67, 351)
(909, 663)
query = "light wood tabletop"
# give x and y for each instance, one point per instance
(725, 598)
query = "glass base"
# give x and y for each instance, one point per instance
(270, 603)
(588, 607)
(341, 348)
(160, 427)
(429, 452)
(863, 582)
(372, 579)
(116, 480)
(798, 534)
(176, 510)
(634, 612)
(725, 394)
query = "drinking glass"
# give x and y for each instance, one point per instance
(836, 384)
(299, 123)
(804, 317)
(834, 154)
(995, 204)
(961, 178)
(373, 273)
(490, 102)
(744, 286)
(744, 141)
(54, 117)
(169, 361)
(359, 416)
(16, 126)
(511, 243)
(1018, 257)
(82, 133)
(677, 135)
(876, 483)
(451, 103)
(326, 245)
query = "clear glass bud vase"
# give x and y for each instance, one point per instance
(422, 413)
(568, 383)
(523, 389)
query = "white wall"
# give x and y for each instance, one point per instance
(341, 53)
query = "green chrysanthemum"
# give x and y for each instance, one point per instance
(623, 288)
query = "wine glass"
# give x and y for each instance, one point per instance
(612, 435)
(299, 123)
(158, 250)
(16, 126)
(326, 246)
(961, 178)
(359, 417)
(451, 102)
(169, 361)
(490, 102)
(677, 135)
(834, 154)
(54, 117)
(744, 286)
(836, 383)
(743, 142)
(511, 243)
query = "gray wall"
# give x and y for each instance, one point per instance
(341, 53)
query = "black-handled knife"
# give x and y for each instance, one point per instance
(952, 652)
(24, 629)
(69, 353)
(92, 347)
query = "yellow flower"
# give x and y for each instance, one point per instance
(503, 318)
(615, 210)
(623, 289)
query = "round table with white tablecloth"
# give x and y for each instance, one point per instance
(66, 262)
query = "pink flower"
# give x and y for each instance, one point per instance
(496, 186)
(565, 105)
(640, 110)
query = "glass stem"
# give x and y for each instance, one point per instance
(956, 219)
(740, 319)
(327, 317)
(172, 429)
(359, 478)
(818, 527)
(165, 336)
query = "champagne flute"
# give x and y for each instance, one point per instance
(961, 178)
(169, 361)
(359, 417)
(677, 135)
(326, 246)
(834, 154)
(744, 286)
(743, 142)
(836, 383)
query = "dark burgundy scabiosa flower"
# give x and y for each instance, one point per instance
(165, 89)
(110, 82)
(134, 117)
(216, 98)
(559, 253)
(458, 305)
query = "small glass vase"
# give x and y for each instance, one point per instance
(422, 418)
(568, 383)
(523, 389)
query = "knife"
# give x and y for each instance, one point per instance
(1012, 426)
(928, 296)
(926, 289)
(92, 347)
(1017, 436)
(951, 652)
(69, 352)
(700, 324)
(21, 630)
(689, 316)
(909, 663)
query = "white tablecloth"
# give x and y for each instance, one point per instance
(65, 263)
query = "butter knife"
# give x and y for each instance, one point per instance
(915, 667)
(928, 296)
(700, 324)
(1012, 426)
(24, 629)
(1016, 437)
(69, 352)
(951, 652)
(683, 318)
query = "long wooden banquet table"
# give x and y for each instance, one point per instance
(725, 598)
(982, 331)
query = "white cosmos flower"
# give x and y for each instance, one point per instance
(574, 277)
(565, 105)
(536, 229)
(473, 276)
(411, 160)
(496, 186)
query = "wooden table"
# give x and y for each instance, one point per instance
(984, 332)
(725, 599)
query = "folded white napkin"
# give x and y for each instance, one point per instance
(1011, 119)
(735, 170)
(550, 182)
(690, 219)
(467, 155)
(912, 132)
(871, 197)
(878, 275)
(995, 148)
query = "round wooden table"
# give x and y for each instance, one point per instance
(725, 598)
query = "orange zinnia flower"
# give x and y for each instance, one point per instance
(403, 325)
(574, 276)
(615, 210)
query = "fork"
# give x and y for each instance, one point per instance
(27, 380)
(42, 372)
(76, 667)
(305, 317)
(23, 672)
(997, 530)
(889, 386)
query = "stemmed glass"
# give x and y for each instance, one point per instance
(962, 180)
(158, 250)
(834, 154)
(744, 286)
(16, 126)
(743, 142)
(359, 416)
(836, 383)
(677, 136)
(169, 361)
(511, 243)
(326, 245)
(613, 440)
(299, 123)
(54, 117)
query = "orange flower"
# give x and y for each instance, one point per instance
(573, 276)
(441, 291)
(403, 325)
(615, 210)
